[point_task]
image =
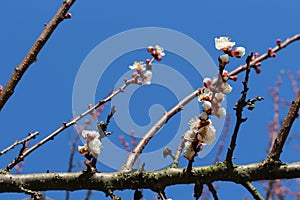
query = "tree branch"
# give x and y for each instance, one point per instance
(266, 55)
(148, 180)
(68, 124)
(239, 111)
(33, 52)
(29, 137)
(147, 137)
(255, 193)
(279, 142)
(213, 191)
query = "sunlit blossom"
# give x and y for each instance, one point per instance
(221, 112)
(223, 43)
(160, 50)
(226, 88)
(147, 77)
(138, 66)
(239, 52)
(206, 106)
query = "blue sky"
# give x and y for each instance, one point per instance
(43, 98)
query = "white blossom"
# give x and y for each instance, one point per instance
(139, 66)
(93, 143)
(224, 59)
(205, 95)
(219, 96)
(221, 112)
(90, 135)
(189, 152)
(194, 123)
(148, 77)
(226, 88)
(203, 116)
(160, 50)
(207, 82)
(207, 134)
(189, 136)
(206, 106)
(223, 43)
(239, 51)
(94, 146)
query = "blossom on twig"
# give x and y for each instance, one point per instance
(223, 43)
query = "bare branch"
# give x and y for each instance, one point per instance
(148, 180)
(31, 56)
(29, 137)
(68, 124)
(279, 142)
(239, 111)
(178, 153)
(266, 55)
(253, 191)
(147, 137)
(213, 191)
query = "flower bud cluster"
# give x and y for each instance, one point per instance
(202, 131)
(144, 70)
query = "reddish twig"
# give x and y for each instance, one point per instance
(279, 142)
(29, 137)
(266, 55)
(68, 124)
(31, 56)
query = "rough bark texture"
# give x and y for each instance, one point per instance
(142, 179)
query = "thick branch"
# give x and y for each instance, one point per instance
(148, 180)
(285, 129)
(33, 52)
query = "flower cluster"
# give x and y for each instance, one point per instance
(144, 70)
(201, 130)
(93, 144)
(224, 44)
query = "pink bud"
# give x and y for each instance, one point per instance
(68, 16)
(90, 106)
(257, 70)
(258, 64)
(158, 57)
(278, 41)
(234, 78)
(150, 49)
(148, 61)
(270, 50)
(256, 54)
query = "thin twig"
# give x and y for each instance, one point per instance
(147, 137)
(29, 137)
(239, 111)
(266, 55)
(68, 124)
(279, 142)
(178, 153)
(88, 194)
(253, 191)
(213, 191)
(31, 56)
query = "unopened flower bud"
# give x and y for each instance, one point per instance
(239, 52)
(68, 16)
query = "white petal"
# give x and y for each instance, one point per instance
(206, 106)
(203, 116)
(223, 42)
(219, 96)
(226, 88)
(189, 135)
(221, 112)
(147, 80)
(90, 135)
(239, 51)
(94, 146)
